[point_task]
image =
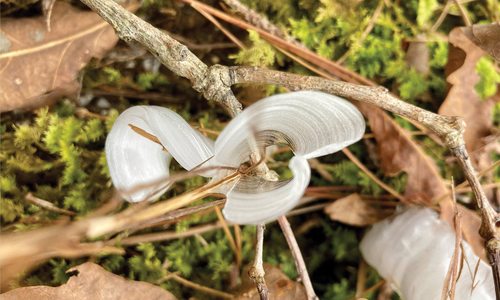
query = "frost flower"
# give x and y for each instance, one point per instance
(413, 252)
(311, 123)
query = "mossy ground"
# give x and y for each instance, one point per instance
(57, 153)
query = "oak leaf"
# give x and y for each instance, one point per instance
(486, 36)
(353, 210)
(462, 99)
(92, 282)
(38, 66)
(398, 152)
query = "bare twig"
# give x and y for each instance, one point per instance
(174, 55)
(179, 213)
(372, 176)
(442, 16)
(229, 236)
(448, 128)
(47, 205)
(168, 235)
(199, 287)
(451, 278)
(364, 34)
(361, 278)
(257, 272)
(259, 20)
(297, 255)
(463, 12)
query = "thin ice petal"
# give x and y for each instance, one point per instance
(188, 146)
(312, 123)
(134, 160)
(413, 253)
(255, 202)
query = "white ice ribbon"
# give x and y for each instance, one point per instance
(311, 123)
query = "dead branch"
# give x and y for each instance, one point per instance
(257, 272)
(47, 205)
(297, 256)
(174, 55)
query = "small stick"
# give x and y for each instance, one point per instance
(361, 278)
(452, 275)
(229, 236)
(199, 287)
(463, 12)
(297, 256)
(372, 176)
(168, 235)
(47, 205)
(257, 272)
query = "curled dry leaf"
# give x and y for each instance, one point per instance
(487, 37)
(38, 66)
(280, 287)
(353, 210)
(462, 99)
(92, 282)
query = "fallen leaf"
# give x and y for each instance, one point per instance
(47, 6)
(462, 99)
(353, 210)
(280, 287)
(417, 55)
(398, 152)
(21, 251)
(37, 66)
(487, 37)
(91, 282)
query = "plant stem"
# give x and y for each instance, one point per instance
(297, 256)
(257, 272)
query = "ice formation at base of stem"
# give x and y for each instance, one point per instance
(413, 252)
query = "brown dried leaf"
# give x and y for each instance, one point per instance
(417, 55)
(353, 210)
(487, 37)
(462, 99)
(91, 282)
(47, 6)
(398, 152)
(280, 287)
(37, 66)
(19, 252)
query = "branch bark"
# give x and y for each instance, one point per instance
(215, 84)
(297, 256)
(174, 55)
(257, 272)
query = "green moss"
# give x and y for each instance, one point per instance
(489, 78)
(58, 156)
(259, 54)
